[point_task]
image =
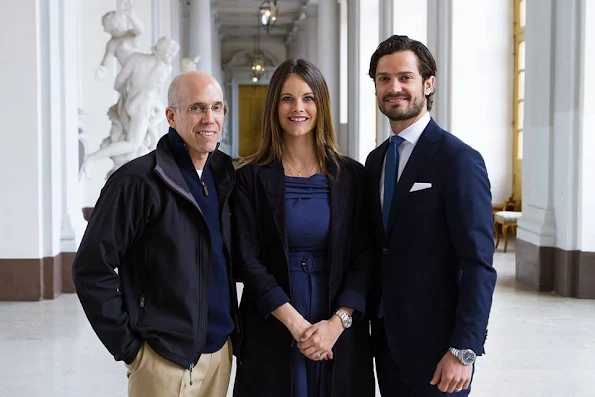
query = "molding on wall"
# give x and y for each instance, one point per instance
(36, 279)
(551, 269)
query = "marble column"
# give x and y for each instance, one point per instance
(439, 39)
(217, 66)
(385, 30)
(353, 79)
(328, 52)
(200, 34)
(362, 109)
(73, 224)
(301, 48)
(311, 24)
(290, 46)
(557, 150)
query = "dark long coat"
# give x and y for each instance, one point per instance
(258, 213)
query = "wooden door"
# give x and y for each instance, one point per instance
(251, 98)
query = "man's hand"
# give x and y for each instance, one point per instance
(451, 375)
(317, 341)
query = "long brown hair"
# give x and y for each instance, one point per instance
(271, 143)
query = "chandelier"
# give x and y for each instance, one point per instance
(258, 65)
(268, 14)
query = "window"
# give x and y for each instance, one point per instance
(519, 96)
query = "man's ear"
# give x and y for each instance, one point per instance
(429, 85)
(169, 115)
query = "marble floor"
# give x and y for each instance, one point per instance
(539, 345)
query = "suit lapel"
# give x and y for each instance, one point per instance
(272, 178)
(425, 149)
(339, 193)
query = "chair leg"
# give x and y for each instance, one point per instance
(505, 235)
(497, 234)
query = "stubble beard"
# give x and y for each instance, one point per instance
(397, 114)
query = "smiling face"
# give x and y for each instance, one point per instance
(199, 130)
(297, 108)
(400, 89)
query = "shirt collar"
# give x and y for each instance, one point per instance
(412, 133)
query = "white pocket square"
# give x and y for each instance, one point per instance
(420, 186)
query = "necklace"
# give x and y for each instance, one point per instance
(297, 172)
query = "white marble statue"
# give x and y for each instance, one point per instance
(122, 43)
(139, 110)
(189, 64)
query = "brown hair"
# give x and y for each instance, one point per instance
(271, 143)
(425, 61)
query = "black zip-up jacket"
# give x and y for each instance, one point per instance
(148, 226)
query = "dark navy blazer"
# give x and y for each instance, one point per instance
(434, 263)
(258, 206)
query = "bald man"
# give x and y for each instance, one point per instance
(162, 221)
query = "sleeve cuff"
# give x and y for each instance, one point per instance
(468, 342)
(353, 300)
(272, 300)
(130, 354)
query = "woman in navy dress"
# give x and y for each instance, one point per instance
(302, 248)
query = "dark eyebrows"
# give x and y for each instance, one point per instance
(307, 93)
(382, 74)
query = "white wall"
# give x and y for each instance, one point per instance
(586, 199)
(481, 85)
(20, 100)
(410, 18)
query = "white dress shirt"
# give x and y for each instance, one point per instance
(410, 135)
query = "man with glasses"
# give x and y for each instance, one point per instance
(162, 221)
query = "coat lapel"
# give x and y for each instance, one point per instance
(272, 178)
(339, 193)
(425, 149)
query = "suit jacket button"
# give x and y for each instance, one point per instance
(385, 251)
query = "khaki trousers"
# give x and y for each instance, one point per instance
(154, 376)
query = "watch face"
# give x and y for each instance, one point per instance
(347, 322)
(468, 357)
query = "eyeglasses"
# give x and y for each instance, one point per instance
(199, 110)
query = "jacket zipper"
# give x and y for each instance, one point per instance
(202, 299)
(204, 170)
(142, 303)
(190, 368)
(203, 307)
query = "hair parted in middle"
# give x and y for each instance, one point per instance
(271, 144)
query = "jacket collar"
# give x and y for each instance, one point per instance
(167, 168)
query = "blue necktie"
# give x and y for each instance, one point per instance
(391, 169)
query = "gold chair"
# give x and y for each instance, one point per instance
(507, 218)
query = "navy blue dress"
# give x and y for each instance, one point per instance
(308, 215)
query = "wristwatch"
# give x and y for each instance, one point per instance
(465, 356)
(346, 319)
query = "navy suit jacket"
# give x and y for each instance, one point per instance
(434, 263)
